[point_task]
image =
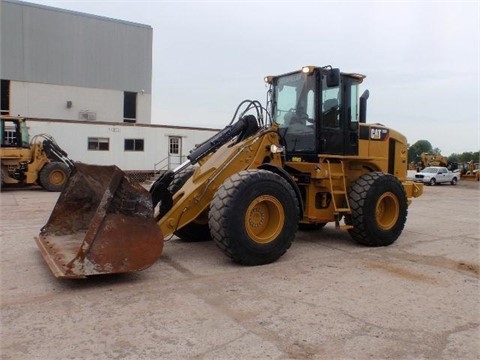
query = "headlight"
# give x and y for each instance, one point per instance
(308, 69)
(275, 149)
(268, 79)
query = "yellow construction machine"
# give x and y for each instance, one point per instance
(473, 172)
(308, 158)
(428, 159)
(39, 161)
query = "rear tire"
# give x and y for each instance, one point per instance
(379, 209)
(197, 230)
(454, 181)
(53, 176)
(254, 217)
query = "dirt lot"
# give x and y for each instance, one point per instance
(327, 298)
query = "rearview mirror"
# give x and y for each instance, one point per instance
(333, 78)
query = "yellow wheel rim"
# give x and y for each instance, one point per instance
(57, 177)
(387, 211)
(264, 219)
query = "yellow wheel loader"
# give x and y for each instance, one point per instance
(433, 160)
(473, 172)
(305, 160)
(39, 161)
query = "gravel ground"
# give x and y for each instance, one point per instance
(326, 298)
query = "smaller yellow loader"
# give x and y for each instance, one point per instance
(39, 161)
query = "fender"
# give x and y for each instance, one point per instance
(281, 172)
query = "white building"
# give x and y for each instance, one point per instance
(86, 80)
(132, 147)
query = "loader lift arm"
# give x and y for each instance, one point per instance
(56, 153)
(243, 128)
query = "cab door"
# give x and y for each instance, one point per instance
(339, 118)
(331, 137)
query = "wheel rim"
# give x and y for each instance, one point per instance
(57, 177)
(264, 219)
(387, 211)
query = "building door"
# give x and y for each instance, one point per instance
(174, 152)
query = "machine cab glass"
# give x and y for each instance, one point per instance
(14, 133)
(317, 113)
(294, 111)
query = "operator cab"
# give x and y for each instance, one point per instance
(317, 111)
(13, 132)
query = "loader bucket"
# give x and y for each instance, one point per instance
(102, 224)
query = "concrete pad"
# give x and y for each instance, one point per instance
(326, 298)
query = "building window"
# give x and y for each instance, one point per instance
(174, 145)
(95, 143)
(133, 144)
(129, 107)
(5, 94)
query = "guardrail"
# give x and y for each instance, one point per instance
(168, 163)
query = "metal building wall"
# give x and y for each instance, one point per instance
(47, 45)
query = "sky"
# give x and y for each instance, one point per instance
(421, 58)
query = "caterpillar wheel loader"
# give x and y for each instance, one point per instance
(305, 160)
(473, 172)
(427, 159)
(39, 161)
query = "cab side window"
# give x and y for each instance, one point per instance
(331, 107)
(9, 131)
(353, 110)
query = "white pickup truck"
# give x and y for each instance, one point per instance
(436, 175)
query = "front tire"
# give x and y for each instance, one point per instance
(432, 182)
(379, 209)
(254, 217)
(53, 176)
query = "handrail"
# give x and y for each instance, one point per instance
(155, 170)
(160, 165)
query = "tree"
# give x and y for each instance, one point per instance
(419, 147)
(467, 156)
(454, 158)
(464, 157)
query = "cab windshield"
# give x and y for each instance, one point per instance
(294, 98)
(294, 111)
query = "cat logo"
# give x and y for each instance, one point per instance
(378, 134)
